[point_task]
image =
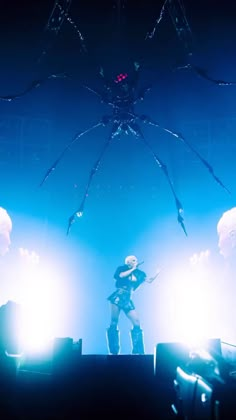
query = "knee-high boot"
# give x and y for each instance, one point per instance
(113, 340)
(137, 340)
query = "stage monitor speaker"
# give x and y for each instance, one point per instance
(62, 354)
(66, 354)
(62, 346)
(168, 356)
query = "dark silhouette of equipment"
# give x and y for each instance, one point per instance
(203, 389)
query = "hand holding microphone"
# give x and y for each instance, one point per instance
(139, 263)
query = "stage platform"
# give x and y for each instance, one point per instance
(70, 385)
(86, 387)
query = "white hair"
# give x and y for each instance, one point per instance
(227, 222)
(130, 258)
(5, 221)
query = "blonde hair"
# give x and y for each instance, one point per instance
(5, 221)
(227, 222)
(130, 258)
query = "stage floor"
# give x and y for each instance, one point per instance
(85, 386)
(74, 386)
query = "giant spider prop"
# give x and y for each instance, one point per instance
(121, 94)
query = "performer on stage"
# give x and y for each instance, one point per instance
(128, 278)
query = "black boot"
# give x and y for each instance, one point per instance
(113, 340)
(137, 340)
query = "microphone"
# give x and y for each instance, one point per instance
(140, 263)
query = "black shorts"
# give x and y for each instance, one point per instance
(122, 299)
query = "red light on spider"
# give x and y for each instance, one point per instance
(120, 77)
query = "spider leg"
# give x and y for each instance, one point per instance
(141, 94)
(93, 91)
(104, 121)
(57, 16)
(101, 96)
(79, 212)
(203, 73)
(179, 136)
(34, 85)
(179, 19)
(151, 34)
(136, 131)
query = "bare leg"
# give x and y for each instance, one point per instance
(136, 333)
(115, 314)
(133, 317)
(113, 336)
